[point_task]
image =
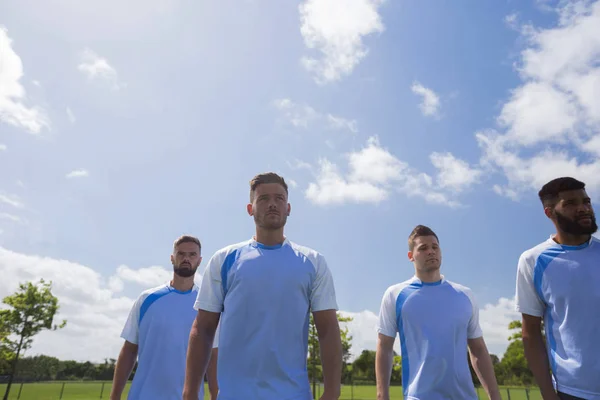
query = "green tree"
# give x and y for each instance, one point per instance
(32, 309)
(314, 350)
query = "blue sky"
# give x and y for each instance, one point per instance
(124, 126)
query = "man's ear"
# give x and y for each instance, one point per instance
(249, 209)
(410, 256)
(549, 211)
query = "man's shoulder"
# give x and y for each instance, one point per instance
(313, 255)
(223, 252)
(530, 255)
(393, 291)
(459, 286)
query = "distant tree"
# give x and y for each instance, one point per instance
(364, 365)
(32, 309)
(314, 350)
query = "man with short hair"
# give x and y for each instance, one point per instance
(157, 332)
(438, 324)
(262, 291)
(558, 282)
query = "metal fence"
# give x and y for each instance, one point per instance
(69, 390)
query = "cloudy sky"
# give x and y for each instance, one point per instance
(124, 125)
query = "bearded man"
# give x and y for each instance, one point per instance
(558, 282)
(157, 332)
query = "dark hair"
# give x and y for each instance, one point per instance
(186, 239)
(549, 193)
(420, 230)
(267, 177)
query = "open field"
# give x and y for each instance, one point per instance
(101, 390)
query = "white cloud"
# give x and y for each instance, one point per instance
(453, 173)
(12, 218)
(342, 123)
(551, 121)
(430, 103)
(303, 116)
(78, 173)
(373, 173)
(494, 320)
(96, 67)
(148, 276)
(300, 116)
(70, 115)
(3, 147)
(95, 316)
(11, 200)
(293, 184)
(12, 93)
(336, 29)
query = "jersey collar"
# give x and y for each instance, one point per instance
(420, 282)
(254, 243)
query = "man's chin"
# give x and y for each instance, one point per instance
(185, 272)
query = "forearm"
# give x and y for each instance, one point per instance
(537, 358)
(123, 369)
(482, 364)
(331, 358)
(198, 356)
(383, 372)
(211, 375)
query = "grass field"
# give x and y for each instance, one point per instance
(93, 390)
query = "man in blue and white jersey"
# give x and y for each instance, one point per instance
(438, 324)
(262, 292)
(558, 282)
(157, 332)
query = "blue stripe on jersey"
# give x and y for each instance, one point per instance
(402, 297)
(151, 299)
(542, 262)
(227, 264)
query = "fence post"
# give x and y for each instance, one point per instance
(62, 389)
(102, 390)
(20, 389)
(352, 389)
(527, 393)
(508, 392)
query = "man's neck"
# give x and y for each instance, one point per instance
(269, 237)
(571, 240)
(429, 276)
(182, 284)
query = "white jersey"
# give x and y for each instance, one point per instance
(561, 284)
(434, 321)
(265, 295)
(159, 323)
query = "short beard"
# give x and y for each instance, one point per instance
(573, 227)
(270, 226)
(184, 272)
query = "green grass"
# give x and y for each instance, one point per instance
(91, 390)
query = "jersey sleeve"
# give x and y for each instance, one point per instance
(322, 296)
(386, 323)
(527, 300)
(130, 331)
(211, 295)
(474, 328)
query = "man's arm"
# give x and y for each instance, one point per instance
(123, 369)
(202, 335)
(482, 364)
(537, 358)
(211, 374)
(384, 358)
(330, 341)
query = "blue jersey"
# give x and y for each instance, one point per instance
(159, 323)
(265, 295)
(434, 321)
(561, 284)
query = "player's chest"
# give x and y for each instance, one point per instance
(573, 282)
(435, 311)
(254, 274)
(174, 315)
